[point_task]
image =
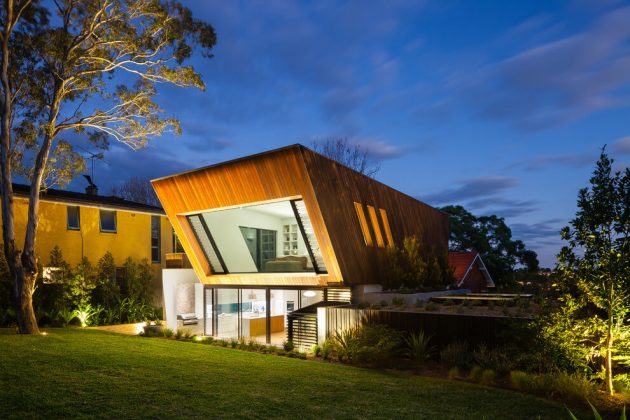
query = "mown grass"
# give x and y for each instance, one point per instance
(78, 373)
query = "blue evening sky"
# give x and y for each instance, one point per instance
(499, 106)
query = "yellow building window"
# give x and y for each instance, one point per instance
(108, 221)
(364, 225)
(156, 236)
(74, 219)
(377, 229)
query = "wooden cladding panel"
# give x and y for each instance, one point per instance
(271, 176)
(337, 188)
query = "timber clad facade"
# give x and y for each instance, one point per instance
(348, 219)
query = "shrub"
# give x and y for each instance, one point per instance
(621, 383)
(419, 303)
(372, 344)
(475, 373)
(418, 349)
(66, 316)
(178, 334)
(571, 388)
(363, 305)
(327, 349)
(491, 304)
(456, 354)
(316, 350)
(288, 345)
(487, 377)
(233, 343)
(398, 301)
(502, 359)
(84, 312)
(453, 373)
(520, 380)
(167, 332)
(448, 302)
(375, 306)
(384, 303)
(432, 306)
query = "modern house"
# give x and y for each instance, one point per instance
(469, 271)
(89, 225)
(279, 233)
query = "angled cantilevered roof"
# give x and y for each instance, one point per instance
(353, 217)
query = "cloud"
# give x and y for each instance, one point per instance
(621, 146)
(544, 230)
(503, 207)
(557, 82)
(536, 163)
(379, 149)
(472, 188)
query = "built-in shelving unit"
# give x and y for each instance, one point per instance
(290, 239)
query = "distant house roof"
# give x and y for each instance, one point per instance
(463, 262)
(90, 200)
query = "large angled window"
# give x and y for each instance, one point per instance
(264, 238)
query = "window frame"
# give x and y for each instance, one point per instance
(158, 246)
(68, 227)
(100, 221)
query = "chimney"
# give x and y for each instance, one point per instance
(91, 189)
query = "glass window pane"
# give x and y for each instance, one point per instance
(108, 221)
(254, 314)
(208, 314)
(227, 313)
(205, 241)
(263, 238)
(155, 239)
(73, 218)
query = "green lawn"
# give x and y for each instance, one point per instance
(86, 373)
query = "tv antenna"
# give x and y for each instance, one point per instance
(92, 156)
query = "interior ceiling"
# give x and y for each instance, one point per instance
(279, 209)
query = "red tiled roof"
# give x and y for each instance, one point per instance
(460, 261)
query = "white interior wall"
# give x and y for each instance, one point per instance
(224, 226)
(172, 280)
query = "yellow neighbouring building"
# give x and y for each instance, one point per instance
(89, 225)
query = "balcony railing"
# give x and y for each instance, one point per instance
(177, 260)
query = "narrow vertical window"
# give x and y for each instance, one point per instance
(363, 222)
(74, 219)
(108, 221)
(388, 231)
(377, 229)
(177, 245)
(155, 240)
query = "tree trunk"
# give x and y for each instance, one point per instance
(23, 280)
(24, 284)
(609, 368)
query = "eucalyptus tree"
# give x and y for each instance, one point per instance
(86, 69)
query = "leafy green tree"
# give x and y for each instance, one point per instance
(492, 238)
(92, 69)
(81, 283)
(107, 291)
(595, 267)
(410, 268)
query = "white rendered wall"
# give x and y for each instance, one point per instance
(174, 282)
